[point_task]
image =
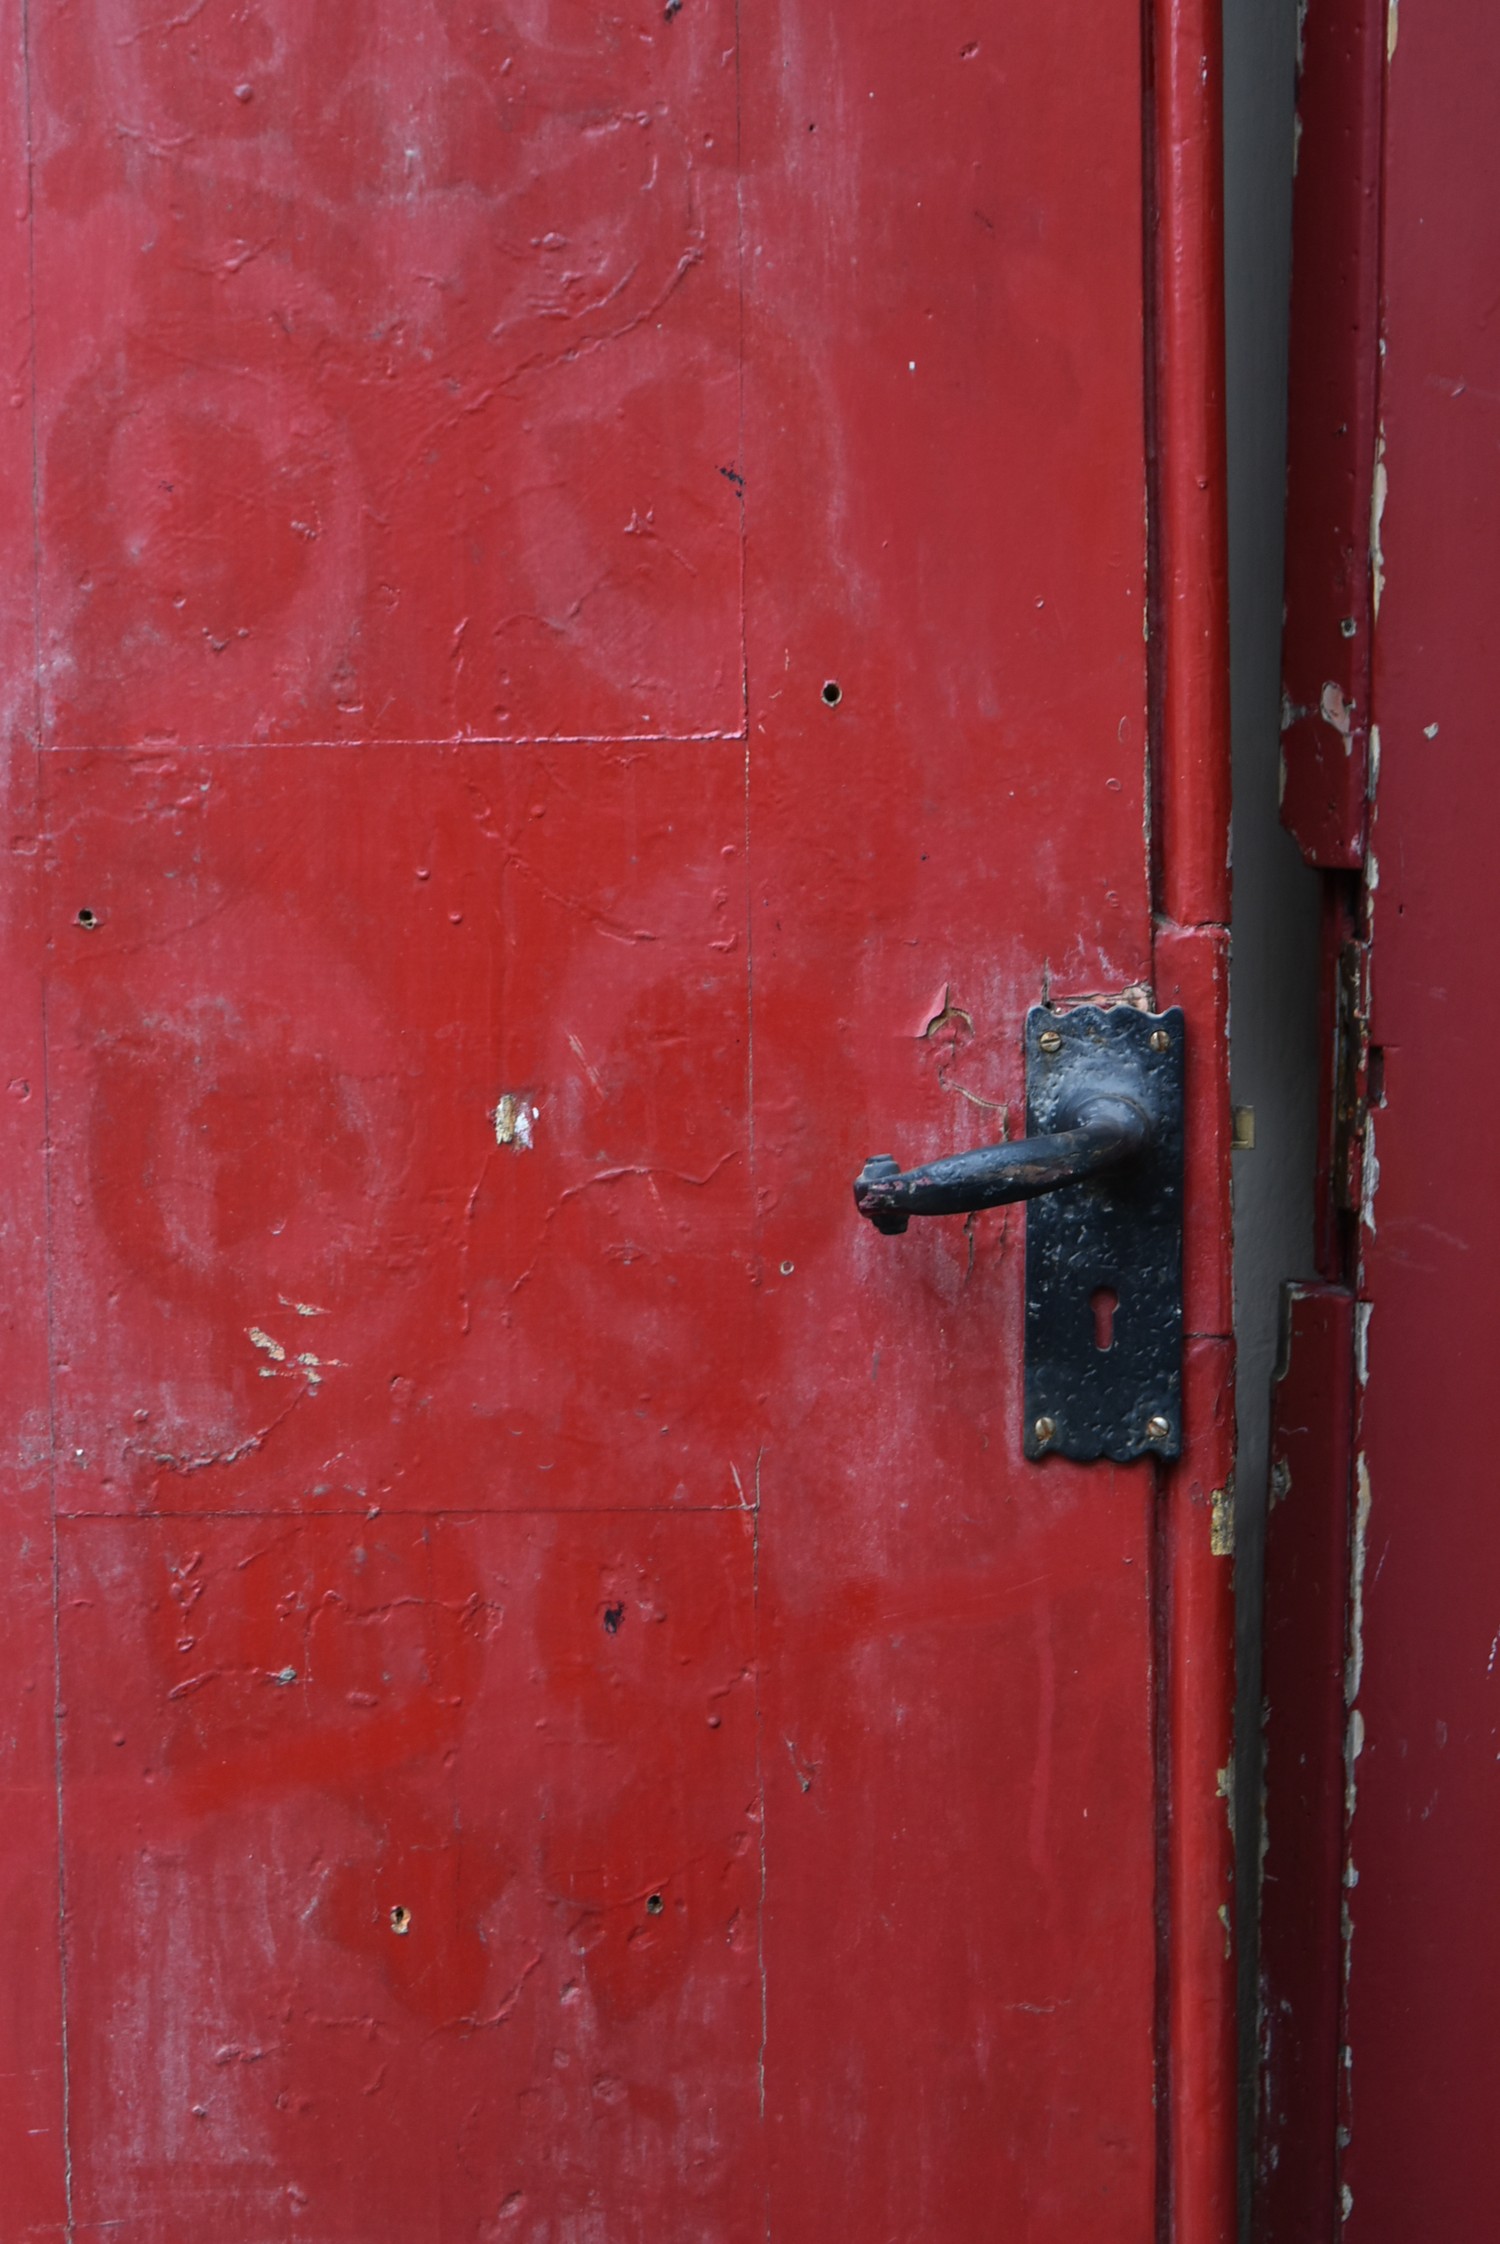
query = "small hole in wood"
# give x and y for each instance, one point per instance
(654, 1905)
(833, 693)
(86, 918)
(400, 1918)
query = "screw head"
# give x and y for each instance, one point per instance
(1157, 1427)
(1044, 1430)
(1160, 1041)
(1049, 1041)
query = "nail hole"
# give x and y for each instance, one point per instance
(1104, 1301)
(86, 918)
(833, 693)
(613, 1615)
(400, 1919)
(654, 1905)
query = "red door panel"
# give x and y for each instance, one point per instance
(362, 277)
(595, 649)
(378, 1930)
(292, 994)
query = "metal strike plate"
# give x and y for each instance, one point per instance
(1116, 1238)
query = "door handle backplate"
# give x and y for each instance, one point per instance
(1101, 1164)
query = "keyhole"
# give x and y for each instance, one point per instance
(1104, 1301)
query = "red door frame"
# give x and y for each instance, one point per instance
(1326, 742)
(1378, 1972)
(1190, 625)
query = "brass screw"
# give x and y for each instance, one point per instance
(1050, 1041)
(1160, 1041)
(1157, 1428)
(1044, 1429)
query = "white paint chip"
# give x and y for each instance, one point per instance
(513, 1118)
(1335, 710)
(1379, 490)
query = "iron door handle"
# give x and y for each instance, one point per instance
(1104, 1131)
(1103, 1165)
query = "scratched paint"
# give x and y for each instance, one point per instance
(583, 566)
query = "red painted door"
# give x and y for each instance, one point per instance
(589, 622)
(1383, 1964)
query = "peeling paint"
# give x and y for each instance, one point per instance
(1362, 1342)
(513, 1118)
(1379, 487)
(1335, 710)
(1224, 1784)
(1221, 1527)
(281, 1365)
(1370, 1177)
(1354, 1669)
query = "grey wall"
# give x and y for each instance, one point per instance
(1273, 990)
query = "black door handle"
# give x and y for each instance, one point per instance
(1105, 1130)
(1102, 1164)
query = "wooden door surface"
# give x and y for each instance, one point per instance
(599, 597)
(1381, 1959)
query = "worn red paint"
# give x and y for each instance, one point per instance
(1308, 1532)
(1424, 1960)
(1409, 2146)
(1331, 431)
(576, 1718)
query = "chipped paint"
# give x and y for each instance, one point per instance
(1362, 1342)
(513, 1118)
(284, 1363)
(1336, 711)
(1379, 487)
(1392, 28)
(1354, 1669)
(1221, 1528)
(1224, 1785)
(1369, 1175)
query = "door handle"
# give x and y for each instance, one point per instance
(1102, 1162)
(1106, 1130)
